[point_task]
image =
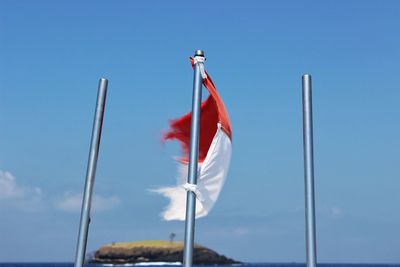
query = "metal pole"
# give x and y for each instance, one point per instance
(90, 173)
(309, 172)
(193, 158)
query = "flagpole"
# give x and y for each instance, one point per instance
(91, 172)
(311, 251)
(193, 158)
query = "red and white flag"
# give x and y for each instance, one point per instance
(215, 147)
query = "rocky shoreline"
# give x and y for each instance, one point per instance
(156, 251)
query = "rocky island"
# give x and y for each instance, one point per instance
(155, 251)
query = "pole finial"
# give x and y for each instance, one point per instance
(199, 53)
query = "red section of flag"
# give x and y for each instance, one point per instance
(212, 112)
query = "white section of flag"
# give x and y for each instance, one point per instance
(211, 178)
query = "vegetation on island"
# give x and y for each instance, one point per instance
(149, 243)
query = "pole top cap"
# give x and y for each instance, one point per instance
(199, 53)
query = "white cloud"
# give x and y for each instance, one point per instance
(72, 202)
(19, 197)
(30, 199)
(8, 186)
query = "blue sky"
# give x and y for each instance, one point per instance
(53, 53)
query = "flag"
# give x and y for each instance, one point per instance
(215, 147)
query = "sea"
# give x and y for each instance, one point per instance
(36, 264)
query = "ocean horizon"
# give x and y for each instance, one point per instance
(257, 264)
